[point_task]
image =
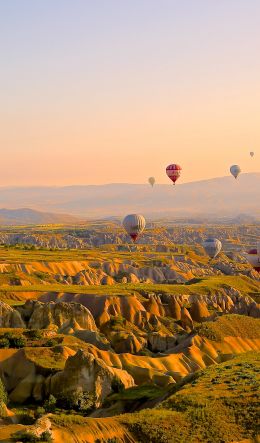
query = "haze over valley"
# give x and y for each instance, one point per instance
(219, 197)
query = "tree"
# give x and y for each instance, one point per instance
(78, 400)
(117, 385)
(50, 404)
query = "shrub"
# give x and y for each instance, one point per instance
(50, 404)
(4, 343)
(14, 341)
(26, 418)
(29, 437)
(50, 343)
(46, 436)
(40, 411)
(35, 334)
(78, 401)
(18, 342)
(117, 321)
(25, 437)
(117, 385)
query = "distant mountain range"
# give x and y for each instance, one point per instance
(27, 216)
(222, 196)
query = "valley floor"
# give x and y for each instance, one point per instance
(152, 345)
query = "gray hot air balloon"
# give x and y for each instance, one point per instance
(134, 225)
(212, 247)
(252, 154)
(151, 180)
(235, 170)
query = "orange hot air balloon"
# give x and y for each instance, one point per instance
(151, 180)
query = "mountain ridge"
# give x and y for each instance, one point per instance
(221, 195)
(30, 216)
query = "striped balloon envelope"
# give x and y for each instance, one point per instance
(173, 171)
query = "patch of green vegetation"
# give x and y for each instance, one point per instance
(12, 340)
(67, 420)
(3, 399)
(21, 338)
(138, 393)
(218, 404)
(230, 325)
(117, 385)
(50, 404)
(79, 401)
(24, 415)
(116, 322)
(153, 426)
(47, 358)
(29, 437)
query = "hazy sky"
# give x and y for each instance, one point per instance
(97, 91)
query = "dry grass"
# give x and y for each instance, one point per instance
(230, 325)
(218, 405)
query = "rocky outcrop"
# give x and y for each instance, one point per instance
(199, 311)
(9, 317)
(89, 373)
(186, 320)
(93, 338)
(148, 311)
(18, 375)
(127, 342)
(41, 426)
(161, 343)
(62, 317)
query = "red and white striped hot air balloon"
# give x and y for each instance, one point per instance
(173, 171)
(253, 257)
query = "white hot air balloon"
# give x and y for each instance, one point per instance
(134, 225)
(212, 247)
(151, 180)
(235, 170)
(252, 154)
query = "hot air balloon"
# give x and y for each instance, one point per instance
(151, 180)
(235, 170)
(253, 257)
(212, 247)
(252, 154)
(134, 225)
(173, 171)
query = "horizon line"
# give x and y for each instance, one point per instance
(121, 183)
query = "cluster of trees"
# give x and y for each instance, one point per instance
(12, 340)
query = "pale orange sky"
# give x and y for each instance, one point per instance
(99, 92)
